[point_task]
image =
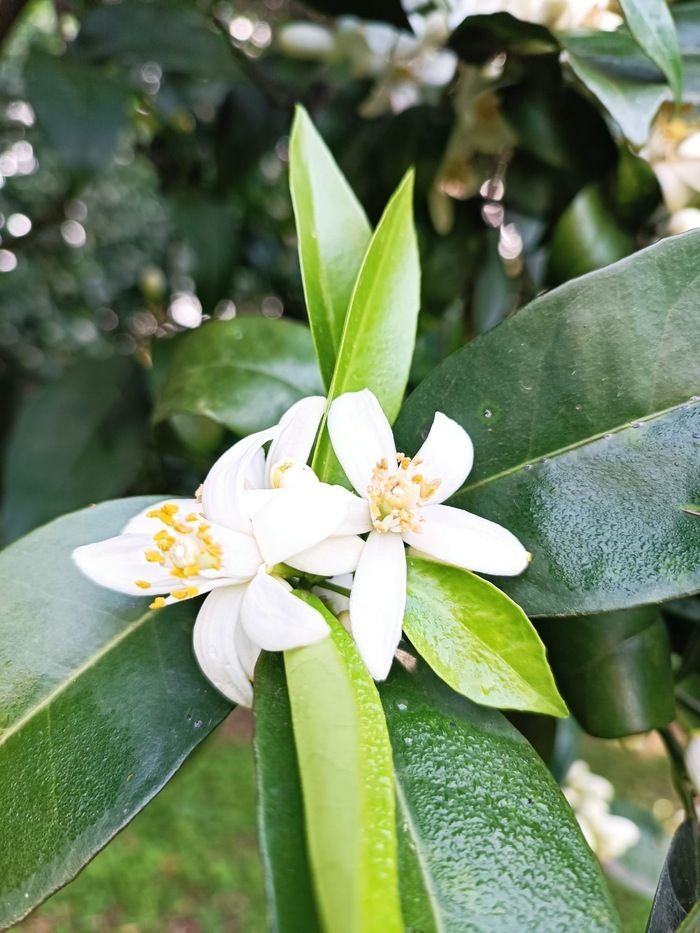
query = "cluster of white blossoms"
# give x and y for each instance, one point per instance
(673, 151)
(260, 520)
(589, 795)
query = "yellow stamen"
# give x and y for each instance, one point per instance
(185, 593)
(144, 584)
(158, 603)
(154, 557)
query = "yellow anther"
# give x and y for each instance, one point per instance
(144, 584)
(181, 528)
(169, 508)
(185, 593)
(405, 463)
(417, 478)
(154, 557)
(158, 603)
(191, 570)
(192, 517)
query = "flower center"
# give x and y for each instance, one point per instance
(183, 546)
(398, 493)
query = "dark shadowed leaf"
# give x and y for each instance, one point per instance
(614, 670)
(386, 11)
(100, 702)
(679, 885)
(477, 38)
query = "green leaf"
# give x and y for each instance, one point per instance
(333, 234)
(478, 640)
(497, 846)
(614, 670)
(75, 441)
(651, 24)
(386, 11)
(347, 783)
(613, 68)
(582, 414)
(81, 109)
(243, 373)
(679, 885)
(290, 899)
(478, 38)
(586, 237)
(380, 328)
(100, 702)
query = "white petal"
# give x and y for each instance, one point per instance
(214, 641)
(437, 69)
(297, 431)
(361, 436)
(255, 499)
(468, 541)
(275, 619)
(240, 558)
(240, 468)
(447, 455)
(297, 519)
(377, 601)
(357, 520)
(119, 562)
(141, 524)
(339, 554)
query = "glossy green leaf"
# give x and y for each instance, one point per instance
(347, 783)
(75, 441)
(478, 38)
(243, 373)
(586, 237)
(497, 846)
(613, 669)
(613, 68)
(333, 233)
(100, 702)
(291, 905)
(679, 885)
(81, 110)
(651, 24)
(586, 433)
(379, 336)
(691, 924)
(477, 639)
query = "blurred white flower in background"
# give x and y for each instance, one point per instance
(555, 14)
(673, 151)
(589, 795)
(692, 756)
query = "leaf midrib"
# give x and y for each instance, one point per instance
(421, 856)
(89, 662)
(583, 442)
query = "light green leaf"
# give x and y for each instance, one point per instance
(380, 328)
(613, 68)
(490, 842)
(347, 783)
(243, 373)
(75, 441)
(651, 24)
(586, 426)
(478, 640)
(333, 234)
(290, 899)
(100, 702)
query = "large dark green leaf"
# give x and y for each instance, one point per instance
(346, 777)
(477, 640)
(333, 234)
(587, 433)
(614, 670)
(291, 906)
(479, 37)
(492, 843)
(81, 109)
(100, 702)
(75, 441)
(243, 373)
(679, 885)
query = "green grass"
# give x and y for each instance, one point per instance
(189, 863)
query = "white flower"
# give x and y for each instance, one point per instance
(589, 795)
(673, 151)
(692, 759)
(256, 512)
(688, 218)
(307, 41)
(554, 14)
(402, 497)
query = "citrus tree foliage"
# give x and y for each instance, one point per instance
(487, 211)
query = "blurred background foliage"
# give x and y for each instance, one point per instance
(143, 193)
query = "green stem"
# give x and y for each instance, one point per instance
(679, 775)
(342, 590)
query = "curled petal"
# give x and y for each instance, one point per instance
(240, 468)
(378, 600)
(339, 554)
(296, 520)
(273, 618)
(297, 431)
(361, 436)
(468, 541)
(447, 455)
(217, 639)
